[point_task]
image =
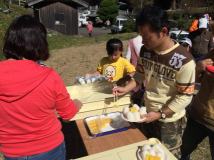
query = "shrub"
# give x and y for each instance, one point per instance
(129, 26)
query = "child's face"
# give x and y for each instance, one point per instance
(115, 56)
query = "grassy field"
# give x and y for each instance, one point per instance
(62, 41)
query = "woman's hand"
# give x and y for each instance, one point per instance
(119, 90)
(150, 117)
(78, 103)
(201, 65)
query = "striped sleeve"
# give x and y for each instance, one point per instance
(139, 75)
(185, 84)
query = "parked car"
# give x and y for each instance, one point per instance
(174, 34)
(83, 21)
(119, 25)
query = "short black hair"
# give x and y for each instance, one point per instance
(199, 15)
(184, 44)
(26, 38)
(155, 16)
(114, 45)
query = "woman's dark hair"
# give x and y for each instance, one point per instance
(155, 16)
(114, 45)
(26, 38)
(184, 44)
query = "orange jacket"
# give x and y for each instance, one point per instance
(194, 26)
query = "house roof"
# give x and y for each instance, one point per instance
(80, 2)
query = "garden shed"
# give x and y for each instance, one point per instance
(58, 15)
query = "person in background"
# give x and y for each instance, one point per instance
(108, 23)
(89, 27)
(169, 71)
(194, 25)
(200, 123)
(29, 128)
(186, 43)
(132, 54)
(208, 20)
(114, 66)
(202, 40)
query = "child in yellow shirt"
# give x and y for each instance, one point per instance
(114, 66)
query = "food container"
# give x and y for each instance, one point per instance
(128, 152)
(118, 124)
(91, 79)
(166, 156)
(97, 99)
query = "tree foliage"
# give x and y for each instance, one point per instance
(129, 26)
(108, 10)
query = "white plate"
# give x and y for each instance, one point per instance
(129, 120)
(166, 156)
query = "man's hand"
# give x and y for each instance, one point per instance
(150, 117)
(78, 103)
(120, 91)
(200, 66)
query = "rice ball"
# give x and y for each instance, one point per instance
(142, 111)
(88, 81)
(146, 147)
(130, 116)
(125, 110)
(157, 148)
(136, 115)
(93, 80)
(143, 154)
(81, 81)
(152, 152)
(136, 106)
(159, 154)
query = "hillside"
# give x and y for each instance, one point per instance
(6, 19)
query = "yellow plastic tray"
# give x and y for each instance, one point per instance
(97, 99)
(128, 152)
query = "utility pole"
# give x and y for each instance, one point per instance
(141, 3)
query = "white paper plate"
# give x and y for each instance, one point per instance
(129, 120)
(166, 156)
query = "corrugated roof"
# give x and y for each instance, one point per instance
(80, 2)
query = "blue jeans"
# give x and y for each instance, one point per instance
(58, 153)
(199, 58)
(194, 134)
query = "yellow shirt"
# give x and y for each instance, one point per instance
(115, 70)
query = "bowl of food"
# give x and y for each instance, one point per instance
(133, 114)
(152, 151)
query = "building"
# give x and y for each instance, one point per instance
(58, 15)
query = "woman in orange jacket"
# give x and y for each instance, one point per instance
(194, 25)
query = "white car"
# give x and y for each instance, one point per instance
(83, 20)
(174, 34)
(119, 25)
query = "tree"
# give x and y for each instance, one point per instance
(108, 10)
(136, 4)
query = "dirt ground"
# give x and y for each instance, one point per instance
(77, 61)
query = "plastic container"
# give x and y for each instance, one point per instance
(91, 79)
(118, 124)
(166, 156)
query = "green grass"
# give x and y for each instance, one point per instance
(62, 41)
